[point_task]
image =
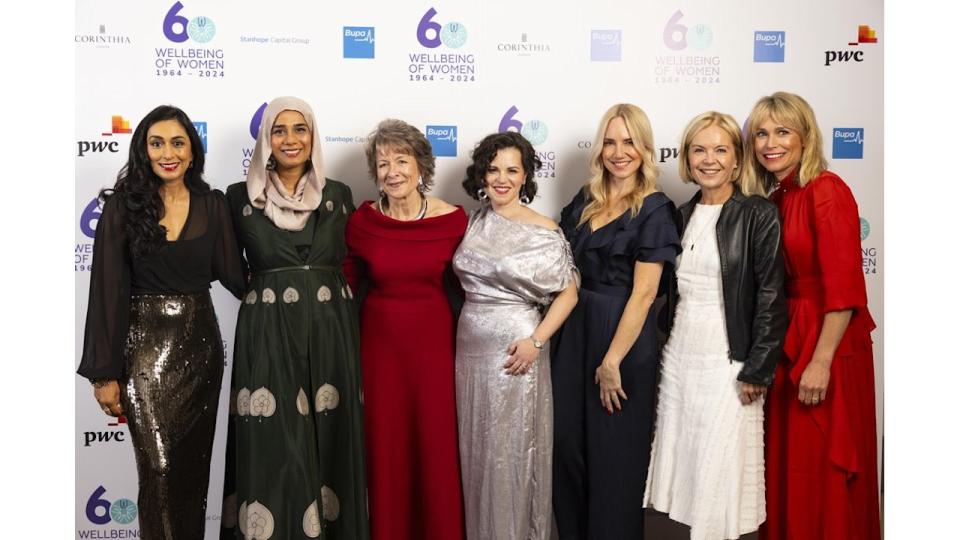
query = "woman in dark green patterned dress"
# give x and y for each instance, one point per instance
(299, 461)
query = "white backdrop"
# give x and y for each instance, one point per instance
(549, 68)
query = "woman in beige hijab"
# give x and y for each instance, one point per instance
(299, 465)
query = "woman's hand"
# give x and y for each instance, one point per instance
(522, 356)
(108, 396)
(750, 392)
(814, 382)
(607, 377)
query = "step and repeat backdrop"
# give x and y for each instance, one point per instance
(458, 70)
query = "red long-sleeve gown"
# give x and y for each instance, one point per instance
(822, 460)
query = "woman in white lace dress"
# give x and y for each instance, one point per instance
(706, 466)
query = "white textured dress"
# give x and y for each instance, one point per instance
(706, 465)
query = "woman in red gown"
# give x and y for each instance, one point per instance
(401, 247)
(821, 447)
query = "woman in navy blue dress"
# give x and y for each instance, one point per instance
(624, 237)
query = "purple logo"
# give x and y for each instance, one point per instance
(255, 121)
(675, 34)
(101, 511)
(179, 29)
(89, 218)
(431, 34)
(534, 131)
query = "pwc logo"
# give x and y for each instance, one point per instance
(118, 126)
(431, 34)
(865, 35)
(114, 435)
(534, 131)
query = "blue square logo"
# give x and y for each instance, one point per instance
(358, 42)
(768, 46)
(605, 45)
(443, 139)
(201, 128)
(847, 143)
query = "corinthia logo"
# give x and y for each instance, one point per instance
(524, 47)
(102, 39)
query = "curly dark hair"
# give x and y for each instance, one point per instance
(486, 151)
(401, 136)
(139, 187)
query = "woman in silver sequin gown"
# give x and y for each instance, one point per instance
(152, 348)
(512, 264)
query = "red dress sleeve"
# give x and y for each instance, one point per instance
(837, 243)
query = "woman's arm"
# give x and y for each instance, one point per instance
(816, 376)
(646, 280)
(522, 352)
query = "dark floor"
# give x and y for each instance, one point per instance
(661, 527)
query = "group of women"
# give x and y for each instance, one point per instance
(364, 405)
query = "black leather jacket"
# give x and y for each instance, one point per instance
(752, 276)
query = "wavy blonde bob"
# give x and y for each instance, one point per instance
(793, 112)
(597, 188)
(728, 125)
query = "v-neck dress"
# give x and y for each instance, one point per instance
(600, 460)
(299, 460)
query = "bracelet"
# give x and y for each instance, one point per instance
(100, 383)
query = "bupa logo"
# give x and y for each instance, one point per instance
(358, 42)
(847, 143)
(101, 511)
(605, 45)
(768, 46)
(865, 34)
(201, 128)
(430, 34)
(443, 139)
(257, 118)
(534, 131)
(178, 28)
(677, 36)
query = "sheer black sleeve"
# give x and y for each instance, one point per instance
(228, 265)
(108, 306)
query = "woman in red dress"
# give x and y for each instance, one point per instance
(401, 246)
(821, 449)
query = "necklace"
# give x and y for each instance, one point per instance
(420, 215)
(703, 231)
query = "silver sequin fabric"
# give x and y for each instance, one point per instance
(510, 272)
(174, 369)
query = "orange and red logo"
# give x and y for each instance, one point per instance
(865, 34)
(118, 125)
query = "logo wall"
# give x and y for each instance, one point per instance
(187, 61)
(441, 63)
(689, 63)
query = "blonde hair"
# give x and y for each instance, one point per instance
(795, 113)
(728, 125)
(597, 188)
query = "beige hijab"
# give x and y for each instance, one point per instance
(287, 211)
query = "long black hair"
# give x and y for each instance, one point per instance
(139, 187)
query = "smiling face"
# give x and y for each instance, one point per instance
(778, 147)
(620, 157)
(397, 172)
(504, 177)
(168, 148)
(290, 141)
(712, 159)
